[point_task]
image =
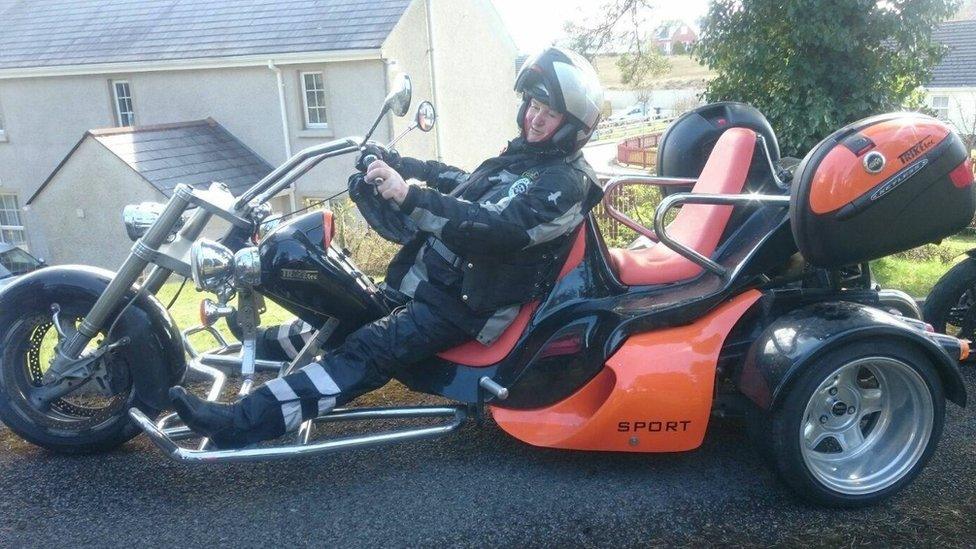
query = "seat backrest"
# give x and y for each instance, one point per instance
(700, 226)
(697, 226)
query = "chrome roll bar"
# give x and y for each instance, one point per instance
(711, 199)
(660, 234)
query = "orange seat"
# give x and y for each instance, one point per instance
(697, 226)
(475, 354)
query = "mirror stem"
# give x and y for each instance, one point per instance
(369, 134)
(397, 139)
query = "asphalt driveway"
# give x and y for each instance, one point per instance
(476, 488)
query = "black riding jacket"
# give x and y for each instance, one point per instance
(492, 239)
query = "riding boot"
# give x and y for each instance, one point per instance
(221, 423)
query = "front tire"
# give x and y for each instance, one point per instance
(858, 425)
(86, 421)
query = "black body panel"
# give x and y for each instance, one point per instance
(155, 352)
(798, 337)
(314, 282)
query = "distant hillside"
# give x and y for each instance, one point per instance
(685, 73)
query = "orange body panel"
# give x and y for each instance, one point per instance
(328, 228)
(654, 395)
(841, 176)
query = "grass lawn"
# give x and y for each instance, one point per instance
(186, 312)
(916, 271)
(684, 72)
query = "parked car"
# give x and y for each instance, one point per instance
(635, 113)
(15, 261)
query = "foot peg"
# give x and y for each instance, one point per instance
(493, 388)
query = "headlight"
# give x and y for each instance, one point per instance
(212, 265)
(247, 267)
(139, 217)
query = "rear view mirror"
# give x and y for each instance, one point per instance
(426, 116)
(399, 99)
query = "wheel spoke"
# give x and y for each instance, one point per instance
(871, 401)
(814, 433)
(850, 440)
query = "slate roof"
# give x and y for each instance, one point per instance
(196, 153)
(958, 67)
(49, 33)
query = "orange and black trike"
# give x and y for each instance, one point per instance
(755, 300)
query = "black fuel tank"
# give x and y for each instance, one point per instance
(302, 272)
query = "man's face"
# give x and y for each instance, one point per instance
(541, 121)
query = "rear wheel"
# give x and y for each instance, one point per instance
(951, 305)
(91, 419)
(859, 424)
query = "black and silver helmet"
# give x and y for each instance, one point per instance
(565, 81)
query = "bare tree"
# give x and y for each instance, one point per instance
(622, 29)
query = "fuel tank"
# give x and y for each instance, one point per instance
(304, 273)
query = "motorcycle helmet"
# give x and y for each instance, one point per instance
(565, 81)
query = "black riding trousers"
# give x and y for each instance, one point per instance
(365, 361)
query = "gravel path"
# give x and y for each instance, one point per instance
(476, 488)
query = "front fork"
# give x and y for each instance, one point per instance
(142, 253)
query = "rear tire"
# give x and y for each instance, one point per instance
(78, 423)
(951, 305)
(858, 425)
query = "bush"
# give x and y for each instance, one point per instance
(370, 252)
(929, 252)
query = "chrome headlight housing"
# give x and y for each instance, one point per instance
(247, 267)
(211, 264)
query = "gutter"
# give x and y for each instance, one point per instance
(286, 134)
(128, 67)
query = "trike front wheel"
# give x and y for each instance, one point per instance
(92, 419)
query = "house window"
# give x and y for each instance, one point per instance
(940, 104)
(124, 114)
(313, 94)
(11, 226)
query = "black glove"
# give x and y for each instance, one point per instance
(390, 156)
(382, 216)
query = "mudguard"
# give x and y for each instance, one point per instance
(155, 353)
(799, 337)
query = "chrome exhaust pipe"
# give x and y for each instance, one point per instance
(458, 416)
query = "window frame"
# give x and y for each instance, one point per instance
(305, 106)
(16, 212)
(116, 99)
(939, 110)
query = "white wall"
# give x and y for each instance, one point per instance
(961, 113)
(82, 208)
(474, 64)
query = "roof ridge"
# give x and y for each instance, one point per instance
(99, 132)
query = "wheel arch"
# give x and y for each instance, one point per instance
(146, 322)
(781, 352)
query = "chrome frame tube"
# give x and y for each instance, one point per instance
(267, 185)
(709, 199)
(458, 416)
